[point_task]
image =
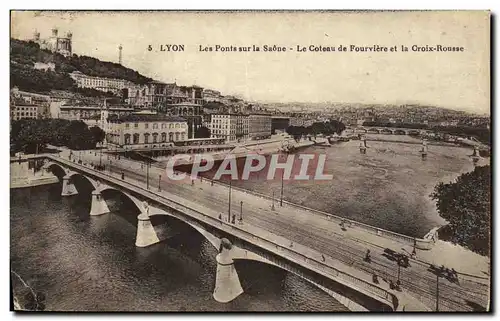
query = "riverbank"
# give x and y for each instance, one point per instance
(33, 181)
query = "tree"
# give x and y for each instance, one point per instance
(202, 132)
(97, 133)
(31, 135)
(465, 204)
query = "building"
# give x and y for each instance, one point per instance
(189, 111)
(210, 95)
(25, 104)
(259, 126)
(78, 110)
(44, 66)
(143, 130)
(116, 86)
(54, 43)
(231, 127)
(23, 110)
(147, 96)
(301, 121)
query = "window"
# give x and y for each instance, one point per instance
(155, 126)
(146, 125)
(146, 138)
(163, 137)
(155, 137)
(170, 137)
(127, 125)
(127, 139)
(136, 125)
(176, 136)
(136, 138)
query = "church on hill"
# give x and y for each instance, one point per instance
(62, 45)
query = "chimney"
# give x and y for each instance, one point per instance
(54, 32)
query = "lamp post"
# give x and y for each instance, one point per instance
(281, 197)
(241, 212)
(229, 205)
(147, 174)
(100, 157)
(399, 270)
(159, 180)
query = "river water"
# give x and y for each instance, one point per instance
(388, 187)
(84, 263)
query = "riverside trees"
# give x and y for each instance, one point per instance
(466, 205)
(32, 135)
(326, 128)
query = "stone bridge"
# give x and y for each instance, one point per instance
(384, 130)
(233, 242)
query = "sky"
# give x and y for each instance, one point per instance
(457, 80)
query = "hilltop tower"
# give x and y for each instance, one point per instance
(120, 54)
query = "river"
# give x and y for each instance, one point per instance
(84, 263)
(388, 187)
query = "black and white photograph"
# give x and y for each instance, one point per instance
(250, 161)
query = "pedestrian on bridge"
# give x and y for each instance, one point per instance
(368, 257)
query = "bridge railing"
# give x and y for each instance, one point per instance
(302, 259)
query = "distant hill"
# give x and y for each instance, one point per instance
(23, 55)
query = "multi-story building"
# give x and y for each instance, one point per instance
(23, 110)
(100, 83)
(146, 130)
(29, 105)
(78, 110)
(161, 96)
(147, 96)
(259, 126)
(211, 95)
(62, 45)
(231, 127)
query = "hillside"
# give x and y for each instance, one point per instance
(23, 54)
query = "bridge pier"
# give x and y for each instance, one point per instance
(227, 282)
(68, 188)
(99, 205)
(146, 234)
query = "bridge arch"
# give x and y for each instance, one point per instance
(214, 240)
(151, 210)
(49, 166)
(242, 254)
(88, 179)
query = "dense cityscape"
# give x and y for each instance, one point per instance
(89, 90)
